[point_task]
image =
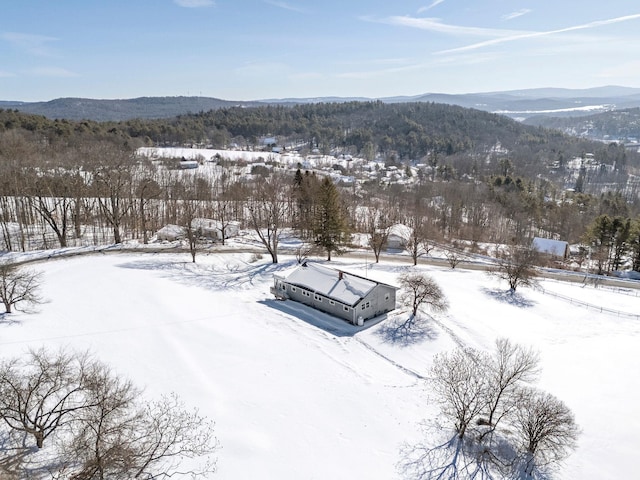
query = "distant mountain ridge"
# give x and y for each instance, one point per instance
(117, 110)
(519, 104)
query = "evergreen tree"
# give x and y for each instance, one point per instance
(330, 227)
(634, 244)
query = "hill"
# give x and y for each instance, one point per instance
(116, 110)
(298, 394)
(518, 104)
(618, 125)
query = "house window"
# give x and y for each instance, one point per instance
(345, 308)
(318, 298)
(386, 297)
(366, 305)
(293, 289)
(331, 302)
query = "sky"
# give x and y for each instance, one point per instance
(263, 49)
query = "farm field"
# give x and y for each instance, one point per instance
(298, 394)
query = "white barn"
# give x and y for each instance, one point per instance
(171, 233)
(399, 236)
(338, 293)
(555, 248)
(212, 229)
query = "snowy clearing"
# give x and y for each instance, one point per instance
(298, 394)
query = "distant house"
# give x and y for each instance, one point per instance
(338, 293)
(184, 163)
(171, 233)
(399, 236)
(555, 248)
(212, 229)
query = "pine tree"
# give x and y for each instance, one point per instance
(330, 227)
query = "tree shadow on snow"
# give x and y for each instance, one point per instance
(234, 275)
(465, 459)
(406, 331)
(330, 324)
(510, 297)
(8, 319)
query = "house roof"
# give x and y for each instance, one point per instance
(402, 231)
(331, 283)
(546, 245)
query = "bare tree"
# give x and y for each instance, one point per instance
(418, 244)
(268, 211)
(52, 199)
(453, 258)
(120, 439)
(503, 428)
(378, 222)
(147, 190)
(98, 448)
(516, 265)
(545, 430)
(460, 382)
(113, 185)
(108, 431)
(166, 434)
(40, 392)
(305, 250)
(420, 289)
(510, 366)
(190, 223)
(18, 285)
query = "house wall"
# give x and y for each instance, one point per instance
(381, 299)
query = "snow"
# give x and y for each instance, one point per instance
(296, 393)
(347, 289)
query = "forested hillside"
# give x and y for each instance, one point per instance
(79, 109)
(452, 174)
(621, 125)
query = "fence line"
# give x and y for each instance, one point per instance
(595, 283)
(591, 306)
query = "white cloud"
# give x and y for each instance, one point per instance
(519, 13)
(435, 25)
(527, 35)
(285, 6)
(435, 3)
(32, 44)
(194, 3)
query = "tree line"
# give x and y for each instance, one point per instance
(92, 189)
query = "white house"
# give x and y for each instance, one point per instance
(555, 248)
(399, 236)
(212, 229)
(171, 233)
(344, 295)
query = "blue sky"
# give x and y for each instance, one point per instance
(257, 49)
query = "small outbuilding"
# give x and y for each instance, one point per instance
(399, 236)
(336, 292)
(213, 229)
(554, 248)
(171, 233)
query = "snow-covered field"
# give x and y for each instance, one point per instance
(296, 394)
